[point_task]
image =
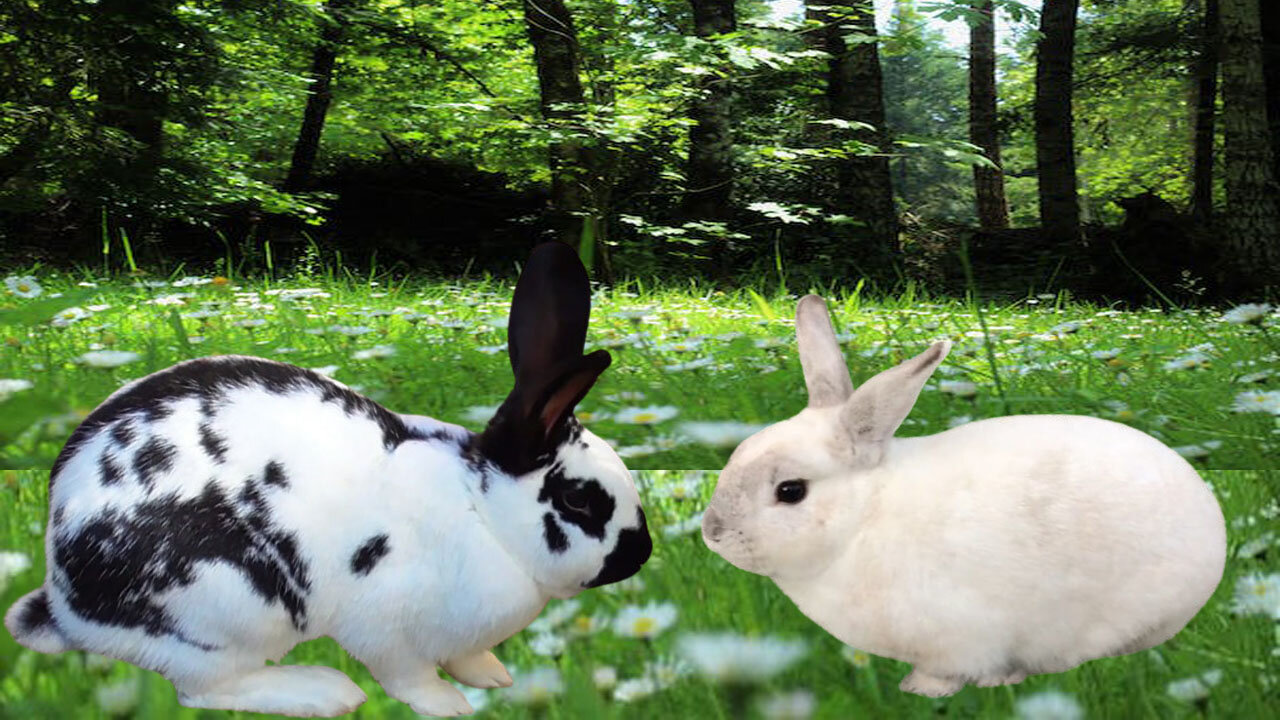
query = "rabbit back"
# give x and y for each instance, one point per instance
(1034, 541)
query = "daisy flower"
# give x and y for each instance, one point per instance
(958, 388)
(645, 415)
(604, 677)
(634, 689)
(377, 351)
(10, 386)
(1263, 401)
(25, 286)
(1258, 594)
(69, 316)
(108, 358)
(535, 687)
(725, 433)
(644, 621)
(732, 658)
(1048, 705)
(794, 705)
(1194, 688)
(1247, 314)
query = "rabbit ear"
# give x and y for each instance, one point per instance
(556, 402)
(825, 373)
(876, 409)
(549, 310)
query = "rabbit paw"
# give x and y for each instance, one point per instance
(297, 690)
(1012, 678)
(433, 696)
(929, 685)
(481, 670)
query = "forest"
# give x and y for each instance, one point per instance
(1122, 149)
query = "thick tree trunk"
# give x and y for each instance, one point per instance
(988, 184)
(1270, 11)
(1206, 112)
(709, 174)
(555, 52)
(319, 95)
(855, 92)
(1253, 211)
(1055, 141)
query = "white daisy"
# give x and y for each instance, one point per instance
(479, 413)
(634, 689)
(731, 658)
(1194, 688)
(535, 687)
(645, 415)
(1256, 546)
(377, 351)
(1263, 401)
(9, 386)
(548, 644)
(684, 527)
(644, 621)
(1191, 361)
(604, 677)
(250, 323)
(1258, 594)
(69, 316)
(1247, 314)
(1048, 705)
(350, 330)
(793, 705)
(857, 658)
(666, 672)
(108, 358)
(724, 433)
(555, 616)
(326, 370)
(24, 286)
(691, 365)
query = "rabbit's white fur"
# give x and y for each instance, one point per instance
(1000, 548)
(394, 534)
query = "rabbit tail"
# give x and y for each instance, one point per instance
(31, 623)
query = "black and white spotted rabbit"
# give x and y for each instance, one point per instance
(209, 517)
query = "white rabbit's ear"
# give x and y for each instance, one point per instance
(825, 373)
(876, 409)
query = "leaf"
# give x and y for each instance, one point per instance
(762, 305)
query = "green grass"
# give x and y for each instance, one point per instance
(740, 346)
(753, 377)
(710, 595)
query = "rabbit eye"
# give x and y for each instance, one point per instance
(575, 500)
(791, 491)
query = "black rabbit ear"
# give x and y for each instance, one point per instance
(549, 311)
(533, 420)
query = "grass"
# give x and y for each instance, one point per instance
(446, 361)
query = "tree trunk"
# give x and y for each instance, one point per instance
(855, 93)
(709, 174)
(1055, 141)
(988, 184)
(319, 95)
(1270, 11)
(1253, 214)
(555, 52)
(1206, 111)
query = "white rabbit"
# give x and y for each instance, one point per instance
(1000, 548)
(211, 516)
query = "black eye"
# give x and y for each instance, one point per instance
(575, 500)
(791, 491)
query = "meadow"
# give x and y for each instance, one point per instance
(694, 371)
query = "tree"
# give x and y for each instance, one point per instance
(709, 172)
(1205, 95)
(555, 53)
(855, 94)
(1055, 142)
(335, 21)
(1253, 214)
(1271, 71)
(988, 183)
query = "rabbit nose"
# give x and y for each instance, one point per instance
(711, 525)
